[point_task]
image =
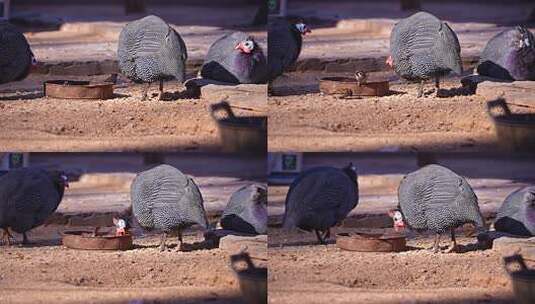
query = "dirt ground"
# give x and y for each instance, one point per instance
(31, 122)
(46, 272)
(303, 119)
(319, 273)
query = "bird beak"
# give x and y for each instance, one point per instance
(242, 48)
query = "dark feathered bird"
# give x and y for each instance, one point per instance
(246, 210)
(422, 47)
(165, 199)
(437, 199)
(517, 213)
(16, 57)
(320, 198)
(284, 44)
(510, 55)
(28, 197)
(235, 58)
(149, 50)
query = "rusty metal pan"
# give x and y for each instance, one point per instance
(372, 240)
(74, 89)
(85, 240)
(350, 87)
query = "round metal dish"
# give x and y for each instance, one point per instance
(85, 240)
(372, 240)
(240, 134)
(350, 87)
(73, 89)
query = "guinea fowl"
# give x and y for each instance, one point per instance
(517, 213)
(150, 50)
(320, 198)
(423, 47)
(246, 210)
(235, 58)
(510, 55)
(437, 199)
(16, 57)
(165, 199)
(284, 45)
(28, 196)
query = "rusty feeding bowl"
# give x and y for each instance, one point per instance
(86, 240)
(372, 240)
(239, 134)
(349, 87)
(523, 279)
(514, 131)
(74, 89)
(253, 280)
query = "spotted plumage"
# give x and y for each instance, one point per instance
(423, 47)
(16, 57)
(320, 198)
(165, 199)
(517, 213)
(284, 45)
(246, 210)
(435, 198)
(28, 196)
(150, 50)
(510, 55)
(235, 58)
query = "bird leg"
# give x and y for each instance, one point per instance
(6, 236)
(179, 239)
(145, 91)
(453, 247)
(437, 85)
(160, 97)
(25, 239)
(162, 241)
(436, 244)
(421, 88)
(322, 238)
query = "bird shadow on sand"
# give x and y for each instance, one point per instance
(33, 244)
(185, 247)
(22, 96)
(301, 243)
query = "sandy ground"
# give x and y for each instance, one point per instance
(31, 122)
(303, 119)
(318, 273)
(46, 272)
(301, 270)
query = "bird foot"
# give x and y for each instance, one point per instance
(452, 248)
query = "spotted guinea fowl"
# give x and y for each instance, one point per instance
(235, 58)
(284, 44)
(246, 210)
(149, 50)
(28, 196)
(435, 198)
(517, 213)
(423, 47)
(16, 57)
(165, 199)
(510, 55)
(320, 198)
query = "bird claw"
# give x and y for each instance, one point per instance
(451, 249)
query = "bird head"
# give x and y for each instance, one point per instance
(303, 28)
(390, 61)
(351, 171)
(246, 46)
(121, 226)
(529, 201)
(397, 217)
(33, 62)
